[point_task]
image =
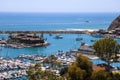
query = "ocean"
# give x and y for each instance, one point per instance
(53, 21)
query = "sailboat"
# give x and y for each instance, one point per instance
(1, 51)
(7, 54)
(79, 38)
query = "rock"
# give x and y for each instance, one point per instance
(25, 40)
(115, 24)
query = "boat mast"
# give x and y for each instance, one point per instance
(7, 54)
(0, 51)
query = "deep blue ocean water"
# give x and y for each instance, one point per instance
(53, 21)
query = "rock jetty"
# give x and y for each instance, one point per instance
(113, 30)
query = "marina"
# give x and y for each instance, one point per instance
(13, 68)
(16, 68)
(22, 47)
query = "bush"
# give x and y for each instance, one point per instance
(100, 75)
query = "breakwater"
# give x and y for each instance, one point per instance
(49, 32)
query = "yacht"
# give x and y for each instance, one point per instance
(58, 36)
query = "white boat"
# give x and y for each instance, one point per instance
(58, 36)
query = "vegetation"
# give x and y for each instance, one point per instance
(35, 73)
(63, 71)
(76, 73)
(52, 60)
(116, 75)
(81, 69)
(100, 75)
(85, 64)
(107, 49)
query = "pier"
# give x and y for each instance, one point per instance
(50, 32)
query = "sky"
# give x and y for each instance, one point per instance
(59, 5)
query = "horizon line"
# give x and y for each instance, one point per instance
(54, 12)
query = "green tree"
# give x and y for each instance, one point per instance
(63, 71)
(81, 69)
(34, 72)
(106, 49)
(116, 76)
(85, 64)
(100, 75)
(75, 73)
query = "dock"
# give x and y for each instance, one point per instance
(50, 32)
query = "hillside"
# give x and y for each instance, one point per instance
(115, 24)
